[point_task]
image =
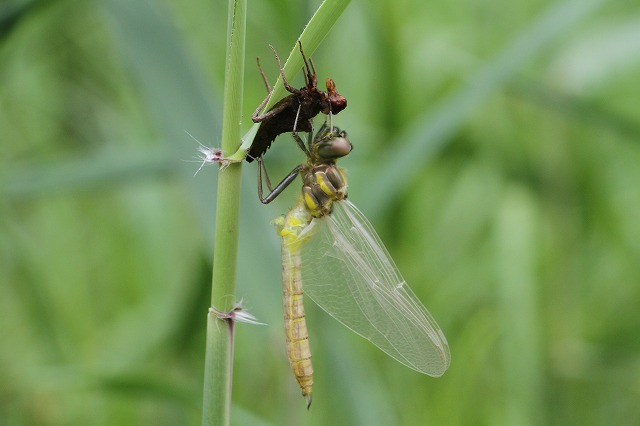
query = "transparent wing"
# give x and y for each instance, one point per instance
(347, 271)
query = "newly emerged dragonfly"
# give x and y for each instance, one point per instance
(331, 252)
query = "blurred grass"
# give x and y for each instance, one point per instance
(514, 219)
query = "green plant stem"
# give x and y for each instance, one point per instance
(219, 343)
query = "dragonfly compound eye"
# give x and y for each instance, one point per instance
(334, 148)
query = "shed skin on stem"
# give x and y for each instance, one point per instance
(295, 112)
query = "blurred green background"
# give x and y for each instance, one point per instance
(496, 152)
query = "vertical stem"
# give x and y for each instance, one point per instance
(219, 344)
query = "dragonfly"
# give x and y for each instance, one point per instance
(331, 253)
(294, 112)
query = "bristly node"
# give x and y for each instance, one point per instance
(207, 155)
(237, 313)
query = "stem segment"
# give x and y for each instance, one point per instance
(219, 344)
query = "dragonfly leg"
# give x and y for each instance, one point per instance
(287, 86)
(295, 135)
(279, 187)
(301, 144)
(263, 169)
(322, 131)
(309, 72)
(264, 77)
(257, 117)
(313, 69)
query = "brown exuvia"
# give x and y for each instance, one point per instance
(295, 112)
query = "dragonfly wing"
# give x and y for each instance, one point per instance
(348, 272)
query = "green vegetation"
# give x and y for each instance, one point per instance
(506, 133)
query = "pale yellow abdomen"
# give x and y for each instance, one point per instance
(295, 326)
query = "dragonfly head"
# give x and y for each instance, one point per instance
(335, 145)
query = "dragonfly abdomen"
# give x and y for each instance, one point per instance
(295, 325)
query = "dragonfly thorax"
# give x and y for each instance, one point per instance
(323, 184)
